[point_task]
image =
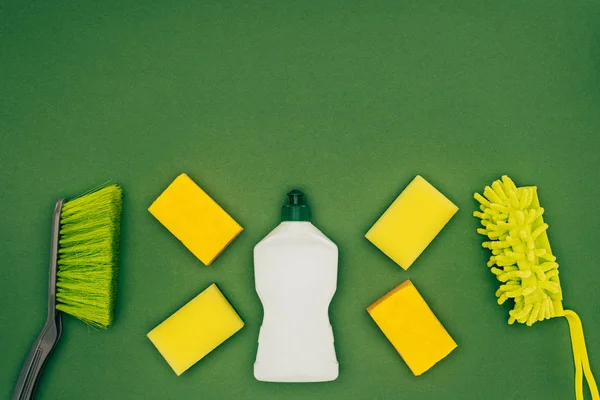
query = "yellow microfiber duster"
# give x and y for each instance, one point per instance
(523, 261)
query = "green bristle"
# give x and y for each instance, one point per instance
(521, 259)
(88, 256)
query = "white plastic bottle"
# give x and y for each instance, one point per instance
(295, 269)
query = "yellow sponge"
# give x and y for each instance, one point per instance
(195, 219)
(412, 221)
(410, 325)
(196, 329)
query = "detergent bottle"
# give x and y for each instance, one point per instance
(295, 270)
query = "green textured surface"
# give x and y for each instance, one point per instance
(347, 101)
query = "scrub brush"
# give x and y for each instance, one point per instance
(83, 273)
(524, 264)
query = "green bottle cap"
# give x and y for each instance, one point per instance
(295, 209)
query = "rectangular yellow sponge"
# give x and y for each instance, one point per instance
(196, 329)
(195, 219)
(411, 327)
(412, 221)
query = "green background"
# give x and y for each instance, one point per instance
(346, 100)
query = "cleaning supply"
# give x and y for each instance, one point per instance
(523, 262)
(412, 221)
(295, 269)
(412, 328)
(83, 273)
(196, 329)
(195, 219)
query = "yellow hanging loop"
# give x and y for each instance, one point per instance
(580, 357)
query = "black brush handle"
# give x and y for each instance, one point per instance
(48, 337)
(38, 355)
